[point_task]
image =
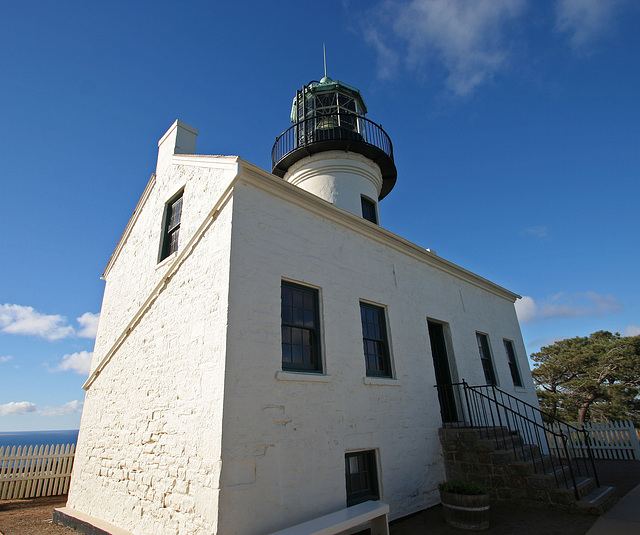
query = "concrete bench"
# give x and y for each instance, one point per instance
(373, 512)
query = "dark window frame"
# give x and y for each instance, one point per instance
(484, 349)
(375, 340)
(362, 484)
(300, 338)
(172, 220)
(510, 349)
(369, 211)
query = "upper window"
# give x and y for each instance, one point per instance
(485, 357)
(300, 328)
(172, 216)
(362, 480)
(374, 339)
(513, 363)
(369, 210)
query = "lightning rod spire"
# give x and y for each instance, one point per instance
(324, 53)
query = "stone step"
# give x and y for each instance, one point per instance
(494, 432)
(518, 471)
(584, 485)
(598, 501)
(508, 442)
(550, 480)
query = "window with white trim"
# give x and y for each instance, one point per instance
(300, 328)
(369, 209)
(362, 477)
(375, 341)
(513, 363)
(171, 231)
(485, 358)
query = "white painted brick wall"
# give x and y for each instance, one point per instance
(284, 442)
(136, 272)
(148, 457)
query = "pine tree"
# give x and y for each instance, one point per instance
(596, 377)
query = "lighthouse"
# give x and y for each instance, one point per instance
(267, 351)
(335, 152)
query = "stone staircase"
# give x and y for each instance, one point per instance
(514, 471)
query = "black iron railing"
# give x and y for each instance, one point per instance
(549, 449)
(327, 128)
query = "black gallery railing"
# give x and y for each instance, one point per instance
(550, 450)
(341, 127)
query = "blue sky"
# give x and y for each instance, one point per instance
(515, 127)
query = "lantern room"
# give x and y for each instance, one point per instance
(329, 116)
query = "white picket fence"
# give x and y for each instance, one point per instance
(609, 440)
(34, 471)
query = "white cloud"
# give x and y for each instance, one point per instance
(388, 59)
(466, 37)
(24, 320)
(79, 363)
(631, 330)
(17, 319)
(17, 407)
(89, 325)
(70, 407)
(26, 407)
(538, 232)
(584, 20)
(526, 309)
(6, 358)
(563, 305)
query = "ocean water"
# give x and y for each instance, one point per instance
(36, 438)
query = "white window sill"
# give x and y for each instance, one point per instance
(381, 381)
(303, 377)
(519, 389)
(166, 260)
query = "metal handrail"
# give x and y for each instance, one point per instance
(487, 406)
(331, 127)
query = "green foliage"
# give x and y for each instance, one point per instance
(591, 378)
(458, 486)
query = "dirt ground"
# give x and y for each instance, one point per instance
(33, 516)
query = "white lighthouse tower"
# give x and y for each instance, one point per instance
(333, 151)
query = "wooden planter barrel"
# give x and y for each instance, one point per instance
(466, 511)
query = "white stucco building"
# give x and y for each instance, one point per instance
(265, 354)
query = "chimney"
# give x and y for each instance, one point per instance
(179, 139)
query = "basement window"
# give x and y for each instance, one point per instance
(171, 232)
(362, 479)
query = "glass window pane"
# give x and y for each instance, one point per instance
(287, 298)
(296, 354)
(286, 335)
(308, 301)
(308, 318)
(296, 336)
(286, 353)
